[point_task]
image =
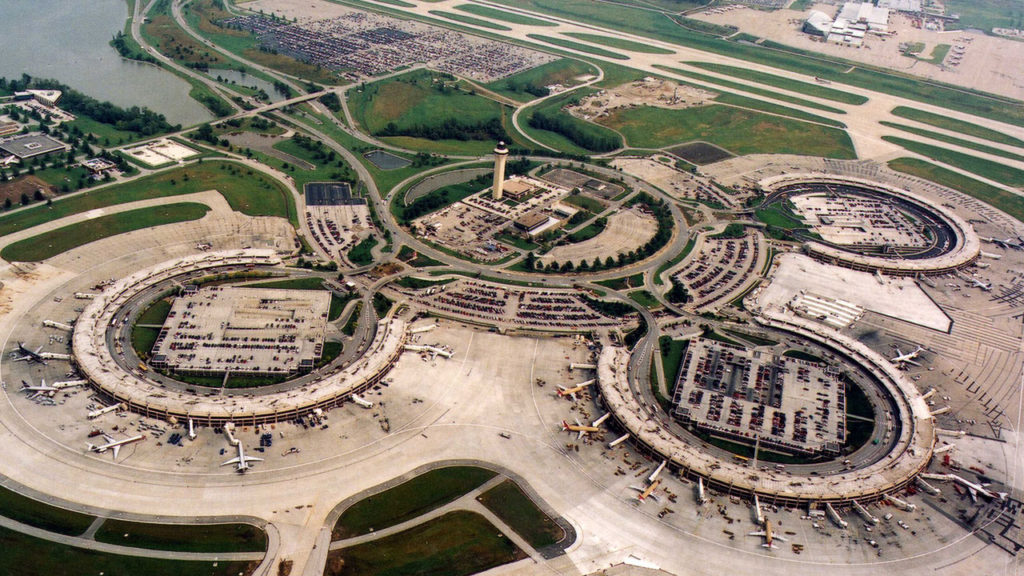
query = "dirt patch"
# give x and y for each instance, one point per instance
(265, 144)
(700, 153)
(645, 92)
(13, 189)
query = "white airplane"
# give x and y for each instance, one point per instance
(701, 497)
(114, 445)
(769, 536)
(242, 460)
(901, 359)
(985, 286)
(573, 391)
(36, 391)
(30, 356)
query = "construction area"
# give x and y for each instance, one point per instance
(786, 404)
(221, 330)
(647, 91)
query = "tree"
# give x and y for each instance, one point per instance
(8, 203)
(531, 260)
(25, 199)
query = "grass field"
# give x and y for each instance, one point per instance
(496, 14)
(988, 14)
(585, 202)
(104, 132)
(28, 556)
(562, 43)
(508, 502)
(955, 141)
(645, 299)
(618, 43)
(35, 513)
(1008, 202)
(49, 244)
(675, 260)
(184, 538)
(413, 110)
(785, 83)
(954, 125)
(470, 20)
(777, 109)
(247, 191)
(624, 283)
(360, 254)
(409, 500)
(307, 283)
(672, 351)
(143, 337)
(563, 71)
(776, 215)
(585, 133)
(737, 130)
(456, 544)
(986, 168)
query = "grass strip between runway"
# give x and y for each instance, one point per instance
(508, 502)
(39, 515)
(236, 537)
(49, 244)
(410, 499)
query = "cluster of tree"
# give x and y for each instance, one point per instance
(331, 101)
(449, 129)
(438, 199)
(528, 87)
(423, 159)
(733, 230)
(205, 133)
(127, 50)
(316, 265)
(283, 88)
(569, 127)
(218, 107)
(142, 121)
(324, 156)
(678, 293)
(614, 309)
(636, 334)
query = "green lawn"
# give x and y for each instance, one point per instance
(675, 260)
(672, 352)
(624, 283)
(772, 108)
(987, 14)
(456, 544)
(564, 71)
(585, 202)
(801, 355)
(508, 502)
(1012, 204)
(980, 166)
(955, 141)
(569, 134)
(306, 283)
(246, 190)
(737, 130)
(360, 254)
(184, 537)
(49, 244)
(785, 83)
(156, 313)
(954, 125)
(35, 513)
(620, 43)
(776, 215)
(470, 20)
(645, 299)
(496, 14)
(409, 500)
(104, 132)
(429, 111)
(28, 556)
(577, 46)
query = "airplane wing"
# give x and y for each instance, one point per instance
(761, 534)
(918, 364)
(38, 350)
(579, 435)
(253, 459)
(116, 450)
(232, 461)
(777, 537)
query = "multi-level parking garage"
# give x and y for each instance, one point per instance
(950, 245)
(906, 453)
(108, 372)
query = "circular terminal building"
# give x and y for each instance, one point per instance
(95, 344)
(874, 227)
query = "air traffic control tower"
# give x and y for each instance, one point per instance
(500, 158)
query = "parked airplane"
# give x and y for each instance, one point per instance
(985, 286)
(30, 356)
(114, 445)
(563, 391)
(36, 391)
(701, 497)
(648, 491)
(901, 359)
(769, 536)
(242, 460)
(579, 428)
